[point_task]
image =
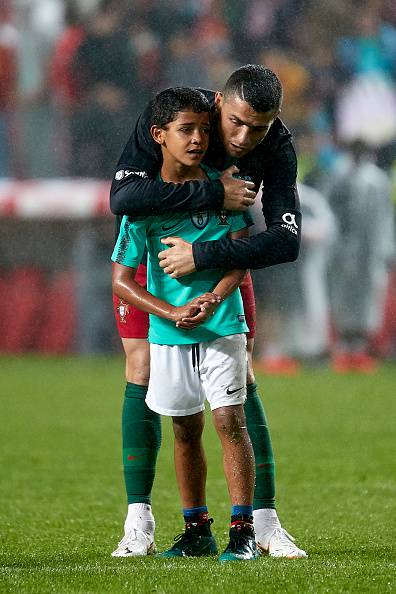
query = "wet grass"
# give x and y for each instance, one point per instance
(62, 499)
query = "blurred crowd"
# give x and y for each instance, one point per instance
(76, 73)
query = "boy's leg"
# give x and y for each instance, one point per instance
(174, 390)
(190, 459)
(238, 460)
(190, 465)
(238, 457)
(223, 379)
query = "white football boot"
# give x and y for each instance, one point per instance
(272, 539)
(139, 527)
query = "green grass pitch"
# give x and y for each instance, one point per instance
(62, 501)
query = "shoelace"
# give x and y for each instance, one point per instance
(237, 537)
(190, 531)
(182, 536)
(186, 535)
(284, 533)
(131, 536)
(284, 537)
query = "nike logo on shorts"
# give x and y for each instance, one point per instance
(233, 391)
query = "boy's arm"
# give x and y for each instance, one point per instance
(227, 285)
(127, 289)
(232, 278)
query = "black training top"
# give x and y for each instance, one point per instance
(135, 191)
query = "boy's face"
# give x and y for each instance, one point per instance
(185, 139)
(241, 128)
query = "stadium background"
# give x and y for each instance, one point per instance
(75, 76)
(64, 119)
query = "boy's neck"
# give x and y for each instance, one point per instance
(178, 173)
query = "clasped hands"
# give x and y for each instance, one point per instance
(195, 312)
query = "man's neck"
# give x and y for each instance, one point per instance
(178, 173)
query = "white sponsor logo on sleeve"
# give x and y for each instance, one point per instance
(126, 173)
(290, 222)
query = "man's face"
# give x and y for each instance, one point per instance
(185, 139)
(241, 128)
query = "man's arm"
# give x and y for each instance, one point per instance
(279, 243)
(135, 192)
(281, 209)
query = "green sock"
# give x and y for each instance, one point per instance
(141, 440)
(257, 425)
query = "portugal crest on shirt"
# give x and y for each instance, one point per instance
(200, 219)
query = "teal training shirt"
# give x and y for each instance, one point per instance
(135, 234)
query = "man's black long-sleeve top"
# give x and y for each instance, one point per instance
(135, 191)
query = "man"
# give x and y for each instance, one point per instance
(246, 136)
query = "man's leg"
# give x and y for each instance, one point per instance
(190, 465)
(141, 432)
(257, 425)
(271, 538)
(270, 535)
(141, 440)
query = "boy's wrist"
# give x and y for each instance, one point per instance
(171, 313)
(219, 298)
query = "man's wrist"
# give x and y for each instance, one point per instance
(218, 194)
(196, 250)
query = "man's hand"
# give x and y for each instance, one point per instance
(238, 193)
(178, 260)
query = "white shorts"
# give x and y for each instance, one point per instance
(183, 376)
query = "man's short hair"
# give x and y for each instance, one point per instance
(257, 85)
(167, 104)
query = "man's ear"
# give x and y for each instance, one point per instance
(157, 134)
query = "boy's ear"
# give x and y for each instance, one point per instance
(218, 99)
(157, 134)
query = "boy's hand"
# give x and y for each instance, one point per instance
(190, 310)
(207, 304)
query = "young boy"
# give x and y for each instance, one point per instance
(197, 333)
